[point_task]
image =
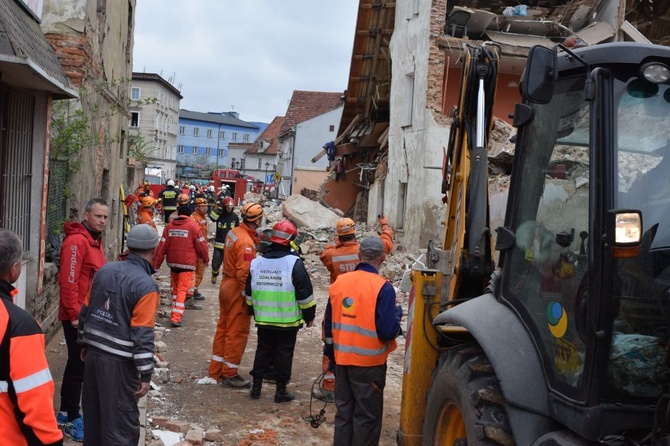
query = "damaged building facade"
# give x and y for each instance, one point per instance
(395, 129)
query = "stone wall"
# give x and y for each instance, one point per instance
(45, 304)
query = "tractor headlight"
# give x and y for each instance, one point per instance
(655, 72)
(628, 228)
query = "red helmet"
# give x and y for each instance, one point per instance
(228, 201)
(283, 232)
(345, 226)
(183, 199)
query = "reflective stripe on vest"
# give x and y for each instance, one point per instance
(273, 293)
(353, 300)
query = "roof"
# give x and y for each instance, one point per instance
(306, 105)
(223, 118)
(159, 79)
(27, 60)
(267, 142)
(369, 87)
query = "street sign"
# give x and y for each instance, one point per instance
(269, 178)
(277, 176)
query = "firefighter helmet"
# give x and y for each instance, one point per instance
(345, 226)
(170, 183)
(283, 232)
(183, 199)
(228, 201)
(147, 202)
(252, 211)
(200, 202)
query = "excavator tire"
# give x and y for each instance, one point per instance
(465, 404)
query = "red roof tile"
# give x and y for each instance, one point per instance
(269, 136)
(306, 105)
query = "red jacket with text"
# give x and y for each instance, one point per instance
(80, 257)
(181, 245)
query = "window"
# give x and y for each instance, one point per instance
(220, 153)
(209, 133)
(222, 135)
(180, 149)
(234, 136)
(407, 93)
(135, 119)
(182, 130)
(259, 163)
(135, 93)
(246, 137)
(208, 151)
(195, 150)
(331, 128)
(196, 130)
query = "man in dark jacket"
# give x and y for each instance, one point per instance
(116, 327)
(81, 255)
(26, 386)
(225, 220)
(168, 199)
(279, 293)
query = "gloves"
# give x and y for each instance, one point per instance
(382, 220)
(398, 312)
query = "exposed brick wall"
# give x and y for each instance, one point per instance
(436, 62)
(45, 304)
(74, 54)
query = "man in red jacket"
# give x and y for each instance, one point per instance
(182, 244)
(26, 386)
(81, 255)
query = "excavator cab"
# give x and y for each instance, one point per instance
(569, 341)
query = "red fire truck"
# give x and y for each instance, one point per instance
(236, 182)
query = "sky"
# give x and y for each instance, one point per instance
(246, 56)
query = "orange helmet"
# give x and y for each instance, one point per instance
(283, 232)
(147, 202)
(228, 201)
(183, 199)
(252, 211)
(200, 202)
(345, 226)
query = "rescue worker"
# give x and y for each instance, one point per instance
(26, 386)
(279, 294)
(181, 245)
(145, 190)
(145, 214)
(232, 328)
(341, 257)
(81, 255)
(210, 196)
(200, 217)
(116, 326)
(225, 220)
(168, 199)
(361, 324)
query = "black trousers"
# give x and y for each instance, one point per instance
(359, 399)
(110, 409)
(217, 260)
(166, 215)
(73, 375)
(275, 348)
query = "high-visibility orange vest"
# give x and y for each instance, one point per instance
(353, 301)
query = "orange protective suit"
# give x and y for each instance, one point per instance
(201, 220)
(232, 328)
(339, 258)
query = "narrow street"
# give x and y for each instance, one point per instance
(241, 421)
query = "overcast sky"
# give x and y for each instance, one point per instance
(246, 55)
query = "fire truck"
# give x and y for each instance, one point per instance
(236, 182)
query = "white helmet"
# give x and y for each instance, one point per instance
(170, 183)
(211, 188)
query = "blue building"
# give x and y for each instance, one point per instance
(203, 139)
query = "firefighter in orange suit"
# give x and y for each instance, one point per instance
(341, 257)
(361, 324)
(199, 215)
(145, 214)
(232, 328)
(26, 386)
(182, 243)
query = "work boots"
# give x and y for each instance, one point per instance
(256, 388)
(191, 305)
(197, 295)
(214, 277)
(282, 395)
